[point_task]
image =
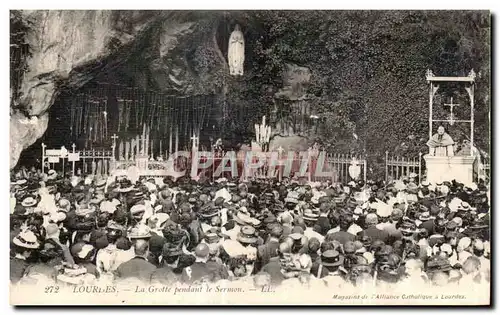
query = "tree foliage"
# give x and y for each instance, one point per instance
(368, 70)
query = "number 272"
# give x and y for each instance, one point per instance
(51, 289)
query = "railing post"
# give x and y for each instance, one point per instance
(386, 166)
(397, 167)
(364, 170)
(43, 157)
(84, 158)
(419, 167)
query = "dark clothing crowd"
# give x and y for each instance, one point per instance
(75, 230)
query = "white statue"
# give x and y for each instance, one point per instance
(236, 52)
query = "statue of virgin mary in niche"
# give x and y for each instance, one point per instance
(236, 52)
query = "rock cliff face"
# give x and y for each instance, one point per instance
(71, 48)
(67, 48)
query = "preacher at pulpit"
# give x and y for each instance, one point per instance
(441, 144)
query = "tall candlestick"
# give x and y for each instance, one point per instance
(146, 152)
(133, 148)
(170, 141)
(127, 150)
(176, 138)
(121, 149)
(143, 149)
(138, 144)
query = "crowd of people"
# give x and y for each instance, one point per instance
(75, 230)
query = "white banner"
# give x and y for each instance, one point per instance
(53, 159)
(53, 152)
(73, 157)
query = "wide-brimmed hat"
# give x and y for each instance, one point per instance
(332, 258)
(57, 217)
(408, 227)
(83, 211)
(208, 210)
(73, 275)
(138, 209)
(233, 248)
(309, 215)
(438, 263)
(26, 239)
(425, 216)
(244, 219)
(170, 250)
(51, 174)
(212, 237)
(29, 202)
(464, 206)
(140, 232)
(81, 250)
(125, 188)
(297, 233)
(19, 182)
(247, 235)
(112, 225)
(292, 197)
(100, 184)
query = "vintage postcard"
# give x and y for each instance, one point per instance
(250, 157)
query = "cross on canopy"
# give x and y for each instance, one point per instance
(451, 105)
(195, 142)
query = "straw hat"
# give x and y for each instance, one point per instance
(137, 209)
(140, 232)
(233, 248)
(332, 258)
(26, 239)
(247, 235)
(29, 202)
(51, 174)
(309, 215)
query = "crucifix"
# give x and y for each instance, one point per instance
(195, 142)
(73, 146)
(452, 117)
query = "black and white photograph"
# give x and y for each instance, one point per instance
(250, 157)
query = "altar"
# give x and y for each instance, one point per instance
(448, 168)
(442, 164)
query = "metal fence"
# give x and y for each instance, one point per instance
(397, 167)
(95, 162)
(321, 167)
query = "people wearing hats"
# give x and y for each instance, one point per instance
(371, 230)
(270, 248)
(247, 236)
(169, 272)
(263, 227)
(84, 255)
(52, 236)
(312, 229)
(276, 265)
(322, 222)
(138, 267)
(29, 203)
(331, 261)
(342, 235)
(25, 244)
(297, 239)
